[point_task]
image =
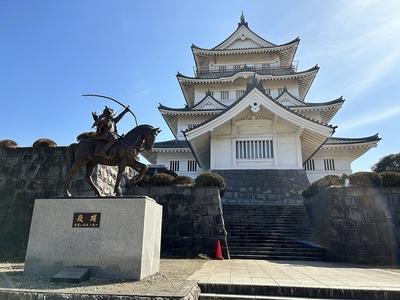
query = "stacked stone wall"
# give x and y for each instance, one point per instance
(263, 186)
(192, 219)
(358, 225)
(30, 173)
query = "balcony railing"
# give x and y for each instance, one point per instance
(229, 70)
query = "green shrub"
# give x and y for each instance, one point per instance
(44, 143)
(390, 179)
(182, 180)
(211, 179)
(170, 172)
(8, 144)
(86, 135)
(322, 184)
(365, 179)
(161, 179)
(145, 181)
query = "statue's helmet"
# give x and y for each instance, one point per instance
(108, 111)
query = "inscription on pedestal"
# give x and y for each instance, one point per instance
(86, 220)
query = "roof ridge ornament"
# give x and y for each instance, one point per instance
(243, 21)
(255, 83)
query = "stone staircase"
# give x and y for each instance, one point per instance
(276, 231)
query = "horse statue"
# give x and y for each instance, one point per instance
(123, 154)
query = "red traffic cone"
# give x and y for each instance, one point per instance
(218, 253)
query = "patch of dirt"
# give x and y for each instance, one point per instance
(171, 278)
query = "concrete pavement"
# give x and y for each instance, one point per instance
(309, 277)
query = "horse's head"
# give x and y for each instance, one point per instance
(142, 136)
(150, 137)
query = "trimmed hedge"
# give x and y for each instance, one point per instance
(86, 135)
(322, 184)
(361, 179)
(211, 179)
(390, 179)
(44, 143)
(170, 172)
(366, 179)
(161, 179)
(182, 180)
(8, 144)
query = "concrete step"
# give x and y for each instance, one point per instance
(251, 297)
(237, 291)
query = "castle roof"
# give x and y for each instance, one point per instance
(313, 133)
(356, 146)
(327, 110)
(187, 83)
(245, 41)
(165, 146)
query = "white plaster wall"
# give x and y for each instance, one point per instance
(222, 154)
(342, 163)
(287, 152)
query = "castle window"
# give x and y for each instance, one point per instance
(254, 149)
(224, 95)
(237, 67)
(309, 165)
(268, 91)
(239, 93)
(192, 166)
(222, 69)
(329, 164)
(280, 91)
(174, 165)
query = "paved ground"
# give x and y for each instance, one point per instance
(298, 274)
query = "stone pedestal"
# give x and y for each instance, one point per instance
(114, 237)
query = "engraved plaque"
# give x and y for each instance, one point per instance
(86, 220)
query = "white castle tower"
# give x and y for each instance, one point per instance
(246, 109)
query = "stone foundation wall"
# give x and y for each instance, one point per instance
(30, 173)
(192, 219)
(357, 225)
(263, 186)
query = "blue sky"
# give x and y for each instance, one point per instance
(52, 52)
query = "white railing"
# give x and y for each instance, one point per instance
(267, 68)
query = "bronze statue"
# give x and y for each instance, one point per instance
(124, 150)
(107, 128)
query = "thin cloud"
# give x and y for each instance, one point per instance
(370, 119)
(360, 38)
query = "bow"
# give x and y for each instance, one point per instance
(116, 101)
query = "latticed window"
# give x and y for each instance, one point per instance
(309, 165)
(239, 93)
(190, 126)
(192, 166)
(174, 165)
(280, 91)
(254, 149)
(237, 67)
(268, 91)
(222, 69)
(224, 95)
(329, 164)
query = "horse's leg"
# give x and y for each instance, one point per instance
(74, 168)
(121, 169)
(88, 177)
(141, 168)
